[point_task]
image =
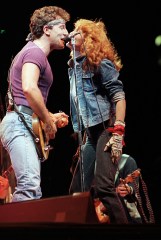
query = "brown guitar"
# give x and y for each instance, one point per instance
(100, 208)
(130, 177)
(42, 144)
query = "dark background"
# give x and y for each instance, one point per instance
(132, 27)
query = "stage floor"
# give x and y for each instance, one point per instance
(68, 231)
(66, 218)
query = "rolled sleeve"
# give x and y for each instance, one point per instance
(109, 77)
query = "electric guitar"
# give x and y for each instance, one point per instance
(42, 143)
(100, 208)
(131, 177)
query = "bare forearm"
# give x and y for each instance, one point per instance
(36, 102)
(121, 110)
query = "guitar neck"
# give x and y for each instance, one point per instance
(131, 177)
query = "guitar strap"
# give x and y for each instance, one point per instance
(11, 106)
(36, 139)
(121, 164)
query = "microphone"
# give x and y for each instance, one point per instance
(69, 37)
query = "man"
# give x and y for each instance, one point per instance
(125, 176)
(30, 78)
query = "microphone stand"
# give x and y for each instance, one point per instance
(80, 142)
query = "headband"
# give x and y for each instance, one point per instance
(51, 23)
(55, 22)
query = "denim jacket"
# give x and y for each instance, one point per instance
(91, 102)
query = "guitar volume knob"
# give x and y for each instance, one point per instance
(48, 147)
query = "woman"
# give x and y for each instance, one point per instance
(98, 107)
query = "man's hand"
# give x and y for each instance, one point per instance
(50, 129)
(123, 189)
(60, 119)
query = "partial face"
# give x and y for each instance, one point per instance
(56, 30)
(78, 40)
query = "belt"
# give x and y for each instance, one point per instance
(25, 109)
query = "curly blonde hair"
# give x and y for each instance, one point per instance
(97, 44)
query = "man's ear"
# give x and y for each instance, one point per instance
(46, 29)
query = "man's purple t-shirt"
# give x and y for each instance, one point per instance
(30, 53)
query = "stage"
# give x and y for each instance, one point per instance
(65, 218)
(68, 231)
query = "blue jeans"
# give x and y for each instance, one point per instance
(98, 173)
(82, 179)
(19, 143)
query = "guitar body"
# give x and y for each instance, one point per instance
(43, 147)
(42, 142)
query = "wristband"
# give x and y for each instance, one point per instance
(119, 129)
